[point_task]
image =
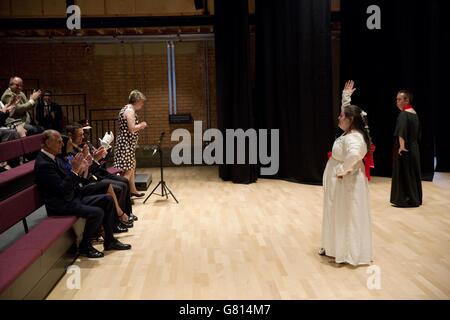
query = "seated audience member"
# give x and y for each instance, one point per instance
(9, 131)
(24, 105)
(120, 184)
(63, 195)
(6, 132)
(92, 185)
(48, 113)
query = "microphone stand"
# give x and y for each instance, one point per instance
(165, 191)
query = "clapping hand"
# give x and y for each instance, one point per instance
(77, 163)
(85, 150)
(100, 153)
(11, 106)
(348, 88)
(35, 95)
(88, 160)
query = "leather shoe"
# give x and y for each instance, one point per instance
(117, 245)
(132, 217)
(119, 228)
(90, 252)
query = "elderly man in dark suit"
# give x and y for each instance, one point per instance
(63, 195)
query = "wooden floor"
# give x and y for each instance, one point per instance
(260, 241)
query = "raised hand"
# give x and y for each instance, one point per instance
(348, 88)
(85, 150)
(35, 95)
(77, 162)
(88, 160)
(11, 105)
(11, 109)
(100, 153)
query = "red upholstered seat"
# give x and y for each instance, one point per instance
(25, 251)
(45, 233)
(16, 173)
(14, 263)
(18, 206)
(32, 143)
(10, 150)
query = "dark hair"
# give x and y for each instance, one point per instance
(407, 94)
(359, 122)
(65, 140)
(71, 128)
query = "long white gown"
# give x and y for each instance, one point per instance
(346, 225)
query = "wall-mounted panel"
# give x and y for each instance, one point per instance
(54, 8)
(5, 8)
(24, 8)
(91, 8)
(120, 7)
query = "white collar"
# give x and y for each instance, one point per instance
(51, 156)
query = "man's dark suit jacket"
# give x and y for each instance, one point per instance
(48, 122)
(58, 187)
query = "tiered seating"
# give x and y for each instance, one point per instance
(34, 263)
(20, 177)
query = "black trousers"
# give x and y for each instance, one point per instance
(97, 210)
(31, 130)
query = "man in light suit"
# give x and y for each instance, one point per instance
(23, 106)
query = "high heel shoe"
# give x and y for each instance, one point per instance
(137, 195)
(125, 223)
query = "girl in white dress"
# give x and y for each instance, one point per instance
(346, 229)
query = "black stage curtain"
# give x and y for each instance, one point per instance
(293, 83)
(234, 107)
(442, 114)
(403, 54)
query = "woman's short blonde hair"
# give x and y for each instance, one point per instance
(135, 96)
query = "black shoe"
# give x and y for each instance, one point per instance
(90, 252)
(132, 217)
(126, 224)
(119, 228)
(117, 245)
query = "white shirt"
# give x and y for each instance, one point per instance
(51, 156)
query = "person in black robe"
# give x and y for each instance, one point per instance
(406, 188)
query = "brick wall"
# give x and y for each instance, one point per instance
(108, 72)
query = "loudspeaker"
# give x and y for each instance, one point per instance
(198, 4)
(143, 181)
